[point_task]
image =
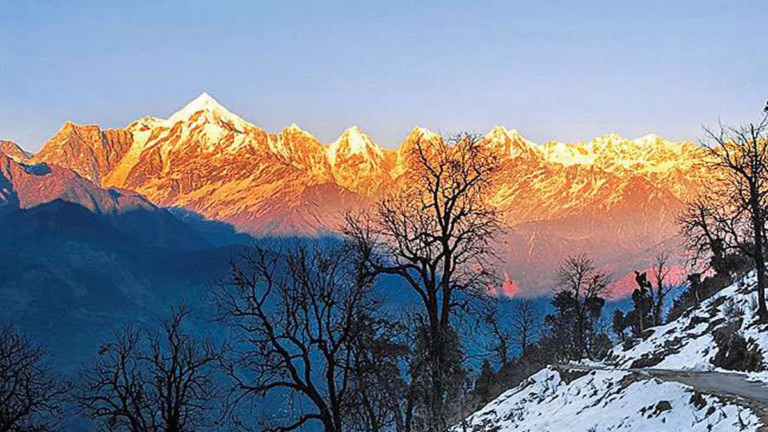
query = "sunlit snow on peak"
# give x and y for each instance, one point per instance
(212, 110)
(352, 142)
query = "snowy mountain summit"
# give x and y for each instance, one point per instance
(211, 110)
(670, 381)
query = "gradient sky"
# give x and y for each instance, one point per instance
(553, 70)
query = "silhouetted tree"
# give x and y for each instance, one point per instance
(694, 283)
(500, 337)
(619, 324)
(31, 396)
(436, 233)
(714, 233)
(455, 377)
(525, 322)
(738, 157)
(641, 316)
(484, 384)
(381, 397)
(578, 301)
(717, 236)
(144, 381)
(300, 317)
(660, 275)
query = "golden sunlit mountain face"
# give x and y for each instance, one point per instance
(611, 197)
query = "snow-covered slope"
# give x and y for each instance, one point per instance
(639, 388)
(687, 343)
(607, 401)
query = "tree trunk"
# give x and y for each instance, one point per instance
(762, 312)
(757, 226)
(580, 337)
(657, 308)
(437, 379)
(409, 412)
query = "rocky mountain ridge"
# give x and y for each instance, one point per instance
(612, 197)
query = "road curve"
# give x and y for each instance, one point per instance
(716, 383)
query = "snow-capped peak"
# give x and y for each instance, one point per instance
(424, 133)
(358, 142)
(146, 123)
(499, 130)
(510, 141)
(649, 139)
(352, 142)
(567, 154)
(296, 129)
(212, 109)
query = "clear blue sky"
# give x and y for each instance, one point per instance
(553, 70)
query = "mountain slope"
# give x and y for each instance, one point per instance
(87, 150)
(76, 260)
(649, 385)
(69, 276)
(688, 343)
(26, 187)
(553, 401)
(12, 150)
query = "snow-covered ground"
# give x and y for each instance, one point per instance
(687, 343)
(607, 401)
(616, 399)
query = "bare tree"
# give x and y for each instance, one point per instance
(578, 300)
(518, 327)
(525, 322)
(716, 230)
(618, 324)
(144, 382)
(717, 237)
(299, 316)
(739, 155)
(660, 274)
(436, 233)
(31, 397)
(382, 399)
(704, 227)
(642, 297)
(500, 338)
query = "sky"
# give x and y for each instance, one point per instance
(566, 71)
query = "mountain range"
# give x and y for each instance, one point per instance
(611, 197)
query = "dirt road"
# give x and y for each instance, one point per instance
(716, 383)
